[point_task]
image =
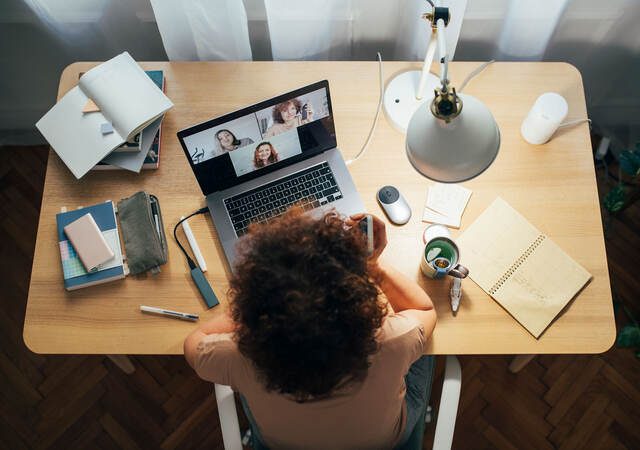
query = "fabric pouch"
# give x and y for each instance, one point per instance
(145, 244)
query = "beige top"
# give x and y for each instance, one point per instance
(370, 414)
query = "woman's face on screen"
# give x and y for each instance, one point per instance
(289, 113)
(264, 152)
(225, 138)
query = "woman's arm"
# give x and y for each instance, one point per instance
(403, 293)
(406, 295)
(220, 324)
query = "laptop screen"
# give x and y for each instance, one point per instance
(261, 138)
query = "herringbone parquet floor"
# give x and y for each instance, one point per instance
(86, 402)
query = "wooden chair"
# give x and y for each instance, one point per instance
(445, 423)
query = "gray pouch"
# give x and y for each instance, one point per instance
(145, 244)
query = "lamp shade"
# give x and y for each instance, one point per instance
(455, 151)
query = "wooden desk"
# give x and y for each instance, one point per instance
(553, 186)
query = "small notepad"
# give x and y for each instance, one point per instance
(520, 267)
(445, 204)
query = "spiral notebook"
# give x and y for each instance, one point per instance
(520, 267)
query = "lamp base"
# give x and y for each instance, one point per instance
(400, 100)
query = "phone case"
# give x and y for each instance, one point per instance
(145, 245)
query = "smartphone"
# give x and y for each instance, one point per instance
(366, 226)
(304, 111)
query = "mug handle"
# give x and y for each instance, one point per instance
(459, 271)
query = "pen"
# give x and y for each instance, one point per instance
(154, 212)
(169, 313)
(194, 245)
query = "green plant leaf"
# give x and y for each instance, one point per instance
(629, 336)
(614, 200)
(630, 162)
(638, 354)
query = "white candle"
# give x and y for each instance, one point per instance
(543, 119)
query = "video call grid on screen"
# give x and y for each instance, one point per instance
(258, 139)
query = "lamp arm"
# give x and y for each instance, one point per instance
(442, 50)
(426, 67)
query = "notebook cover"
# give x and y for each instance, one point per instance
(520, 267)
(88, 243)
(105, 218)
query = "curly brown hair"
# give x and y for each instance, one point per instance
(277, 110)
(306, 304)
(273, 157)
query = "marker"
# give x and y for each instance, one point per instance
(169, 313)
(194, 245)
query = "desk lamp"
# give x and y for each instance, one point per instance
(446, 142)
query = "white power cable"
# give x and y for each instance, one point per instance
(375, 121)
(574, 122)
(473, 74)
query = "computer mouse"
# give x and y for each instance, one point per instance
(394, 205)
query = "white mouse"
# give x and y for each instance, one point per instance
(394, 205)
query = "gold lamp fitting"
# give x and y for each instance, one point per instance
(446, 105)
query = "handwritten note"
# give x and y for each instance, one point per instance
(445, 204)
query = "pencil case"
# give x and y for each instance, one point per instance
(145, 242)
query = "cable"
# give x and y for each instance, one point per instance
(574, 122)
(375, 121)
(192, 264)
(474, 73)
(431, 3)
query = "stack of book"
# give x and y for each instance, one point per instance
(129, 151)
(111, 120)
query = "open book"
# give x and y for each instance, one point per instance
(127, 98)
(521, 268)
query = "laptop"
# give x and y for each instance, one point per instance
(254, 163)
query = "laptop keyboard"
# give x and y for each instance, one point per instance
(309, 188)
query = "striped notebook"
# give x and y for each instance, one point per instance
(74, 273)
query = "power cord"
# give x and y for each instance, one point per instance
(375, 121)
(573, 122)
(473, 74)
(192, 264)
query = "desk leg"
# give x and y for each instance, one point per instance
(123, 362)
(519, 361)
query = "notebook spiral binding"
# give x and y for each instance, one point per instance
(517, 264)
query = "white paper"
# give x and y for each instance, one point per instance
(124, 93)
(76, 137)
(434, 217)
(445, 204)
(448, 199)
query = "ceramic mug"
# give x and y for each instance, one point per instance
(440, 255)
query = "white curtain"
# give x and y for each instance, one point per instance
(203, 29)
(600, 38)
(355, 29)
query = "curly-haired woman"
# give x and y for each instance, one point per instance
(288, 115)
(310, 344)
(264, 155)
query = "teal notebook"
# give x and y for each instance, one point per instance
(75, 275)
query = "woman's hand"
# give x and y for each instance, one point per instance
(309, 110)
(379, 233)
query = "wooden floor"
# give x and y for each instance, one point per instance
(86, 402)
